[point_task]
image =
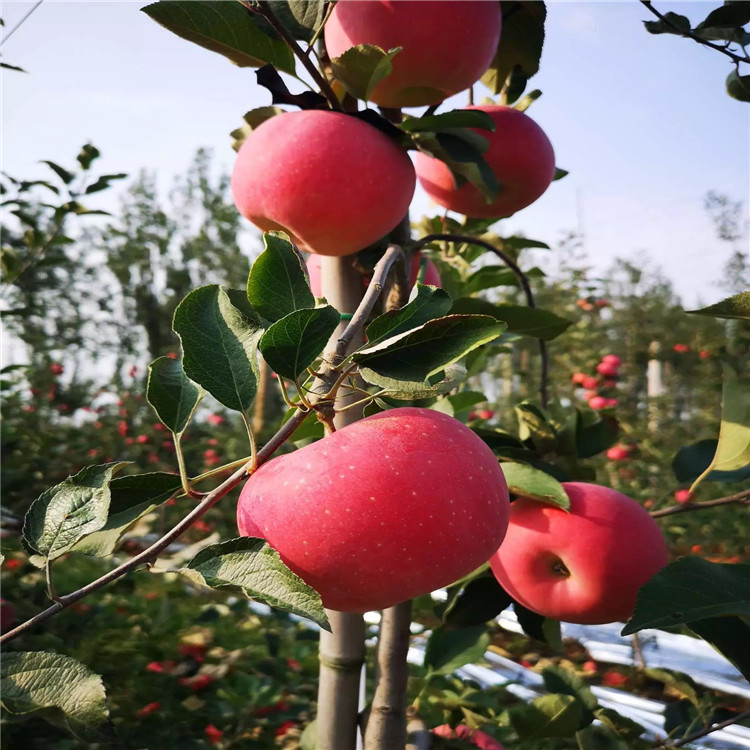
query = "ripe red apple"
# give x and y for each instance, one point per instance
(298, 171)
(446, 46)
(520, 156)
(618, 453)
(383, 510)
(608, 369)
(578, 378)
(682, 496)
(590, 382)
(612, 359)
(681, 348)
(431, 276)
(482, 740)
(600, 402)
(583, 566)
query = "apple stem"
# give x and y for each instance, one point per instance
(523, 280)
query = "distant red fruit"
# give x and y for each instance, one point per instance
(696, 549)
(681, 348)
(609, 384)
(148, 709)
(608, 369)
(56, 368)
(590, 382)
(602, 303)
(142, 439)
(215, 419)
(482, 740)
(578, 378)
(612, 359)
(704, 354)
(122, 428)
(197, 682)
(196, 650)
(7, 615)
(12, 563)
(618, 453)
(599, 402)
(589, 666)
(613, 679)
(284, 728)
(485, 414)
(682, 496)
(213, 735)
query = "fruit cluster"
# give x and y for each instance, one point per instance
(607, 375)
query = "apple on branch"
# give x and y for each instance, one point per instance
(385, 509)
(582, 566)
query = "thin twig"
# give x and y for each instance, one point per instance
(692, 35)
(20, 23)
(525, 286)
(262, 9)
(743, 498)
(708, 730)
(328, 376)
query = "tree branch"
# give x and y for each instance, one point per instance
(262, 9)
(715, 727)
(737, 59)
(743, 498)
(328, 376)
(525, 286)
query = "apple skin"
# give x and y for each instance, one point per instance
(608, 369)
(431, 274)
(332, 182)
(607, 542)
(446, 46)
(618, 453)
(520, 156)
(385, 509)
(482, 740)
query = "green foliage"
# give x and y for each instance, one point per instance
(171, 393)
(447, 650)
(535, 484)
(360, 69)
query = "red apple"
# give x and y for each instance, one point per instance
(618, 453)
(474, 737)
(578, 378)
(612, 359)
(682, 496)
(385, 509)
(583, 566)
(704, 354)
(295, 167)
(446, 46)
(590, 382)
(599, 402)
(520, 156)
(681, 348)
(431, 276)
(608, 369)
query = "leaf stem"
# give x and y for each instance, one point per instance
(186, 488)
(523, 280)
(253, 462)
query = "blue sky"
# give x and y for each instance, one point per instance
(641, 122)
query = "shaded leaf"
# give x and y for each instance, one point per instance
(547, 716)
(252, 120)
(277, 284)
(737, 306)
(524, 321)
(250, 568)
(226, 28)
(557, 679)
(730, 636)
(62, 515)
(63, 174)
(300, 17)
(480, 600)
(269, 78)
(88, 154)
(691, 589)
(738, 87)
(537, 626)
(171, 393)
(458, 118)
(103, 182)
(219, 344)
(39, 680)
(672, 23)
(729, 14)
(292, 344)
(692, 461)
(616, 722)
(447, 650)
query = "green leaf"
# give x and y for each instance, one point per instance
(458, 118)
(89, 153)
(426, 303)
(480, 600)
(733, 449)
(489, 277)
(621, 725)
(252, 120)
(250, 568)
(559, 174)
(521, 320)
(520, 43)
(672, 23)
(737, 306)
(132, 497)
(63, 174)
(171, 393)
(301, 18)
(103, 182)
(738, 87)
(728, 15)
(537, 626)
(447, 650)
(681, 719)
(62, 515)
(730, 636)
(425, 351)
(534, 425)
(219, 343)
(523, 104)
(8, 66)
(691, 589)
(557, 679)
(530, 482)
(691, 461)
(547, 716)
(292, 344)
(60, 686)
(360, 69)
(595, 433)
(406, 390)
(277, 284)
(226, 28)
(599, 738)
